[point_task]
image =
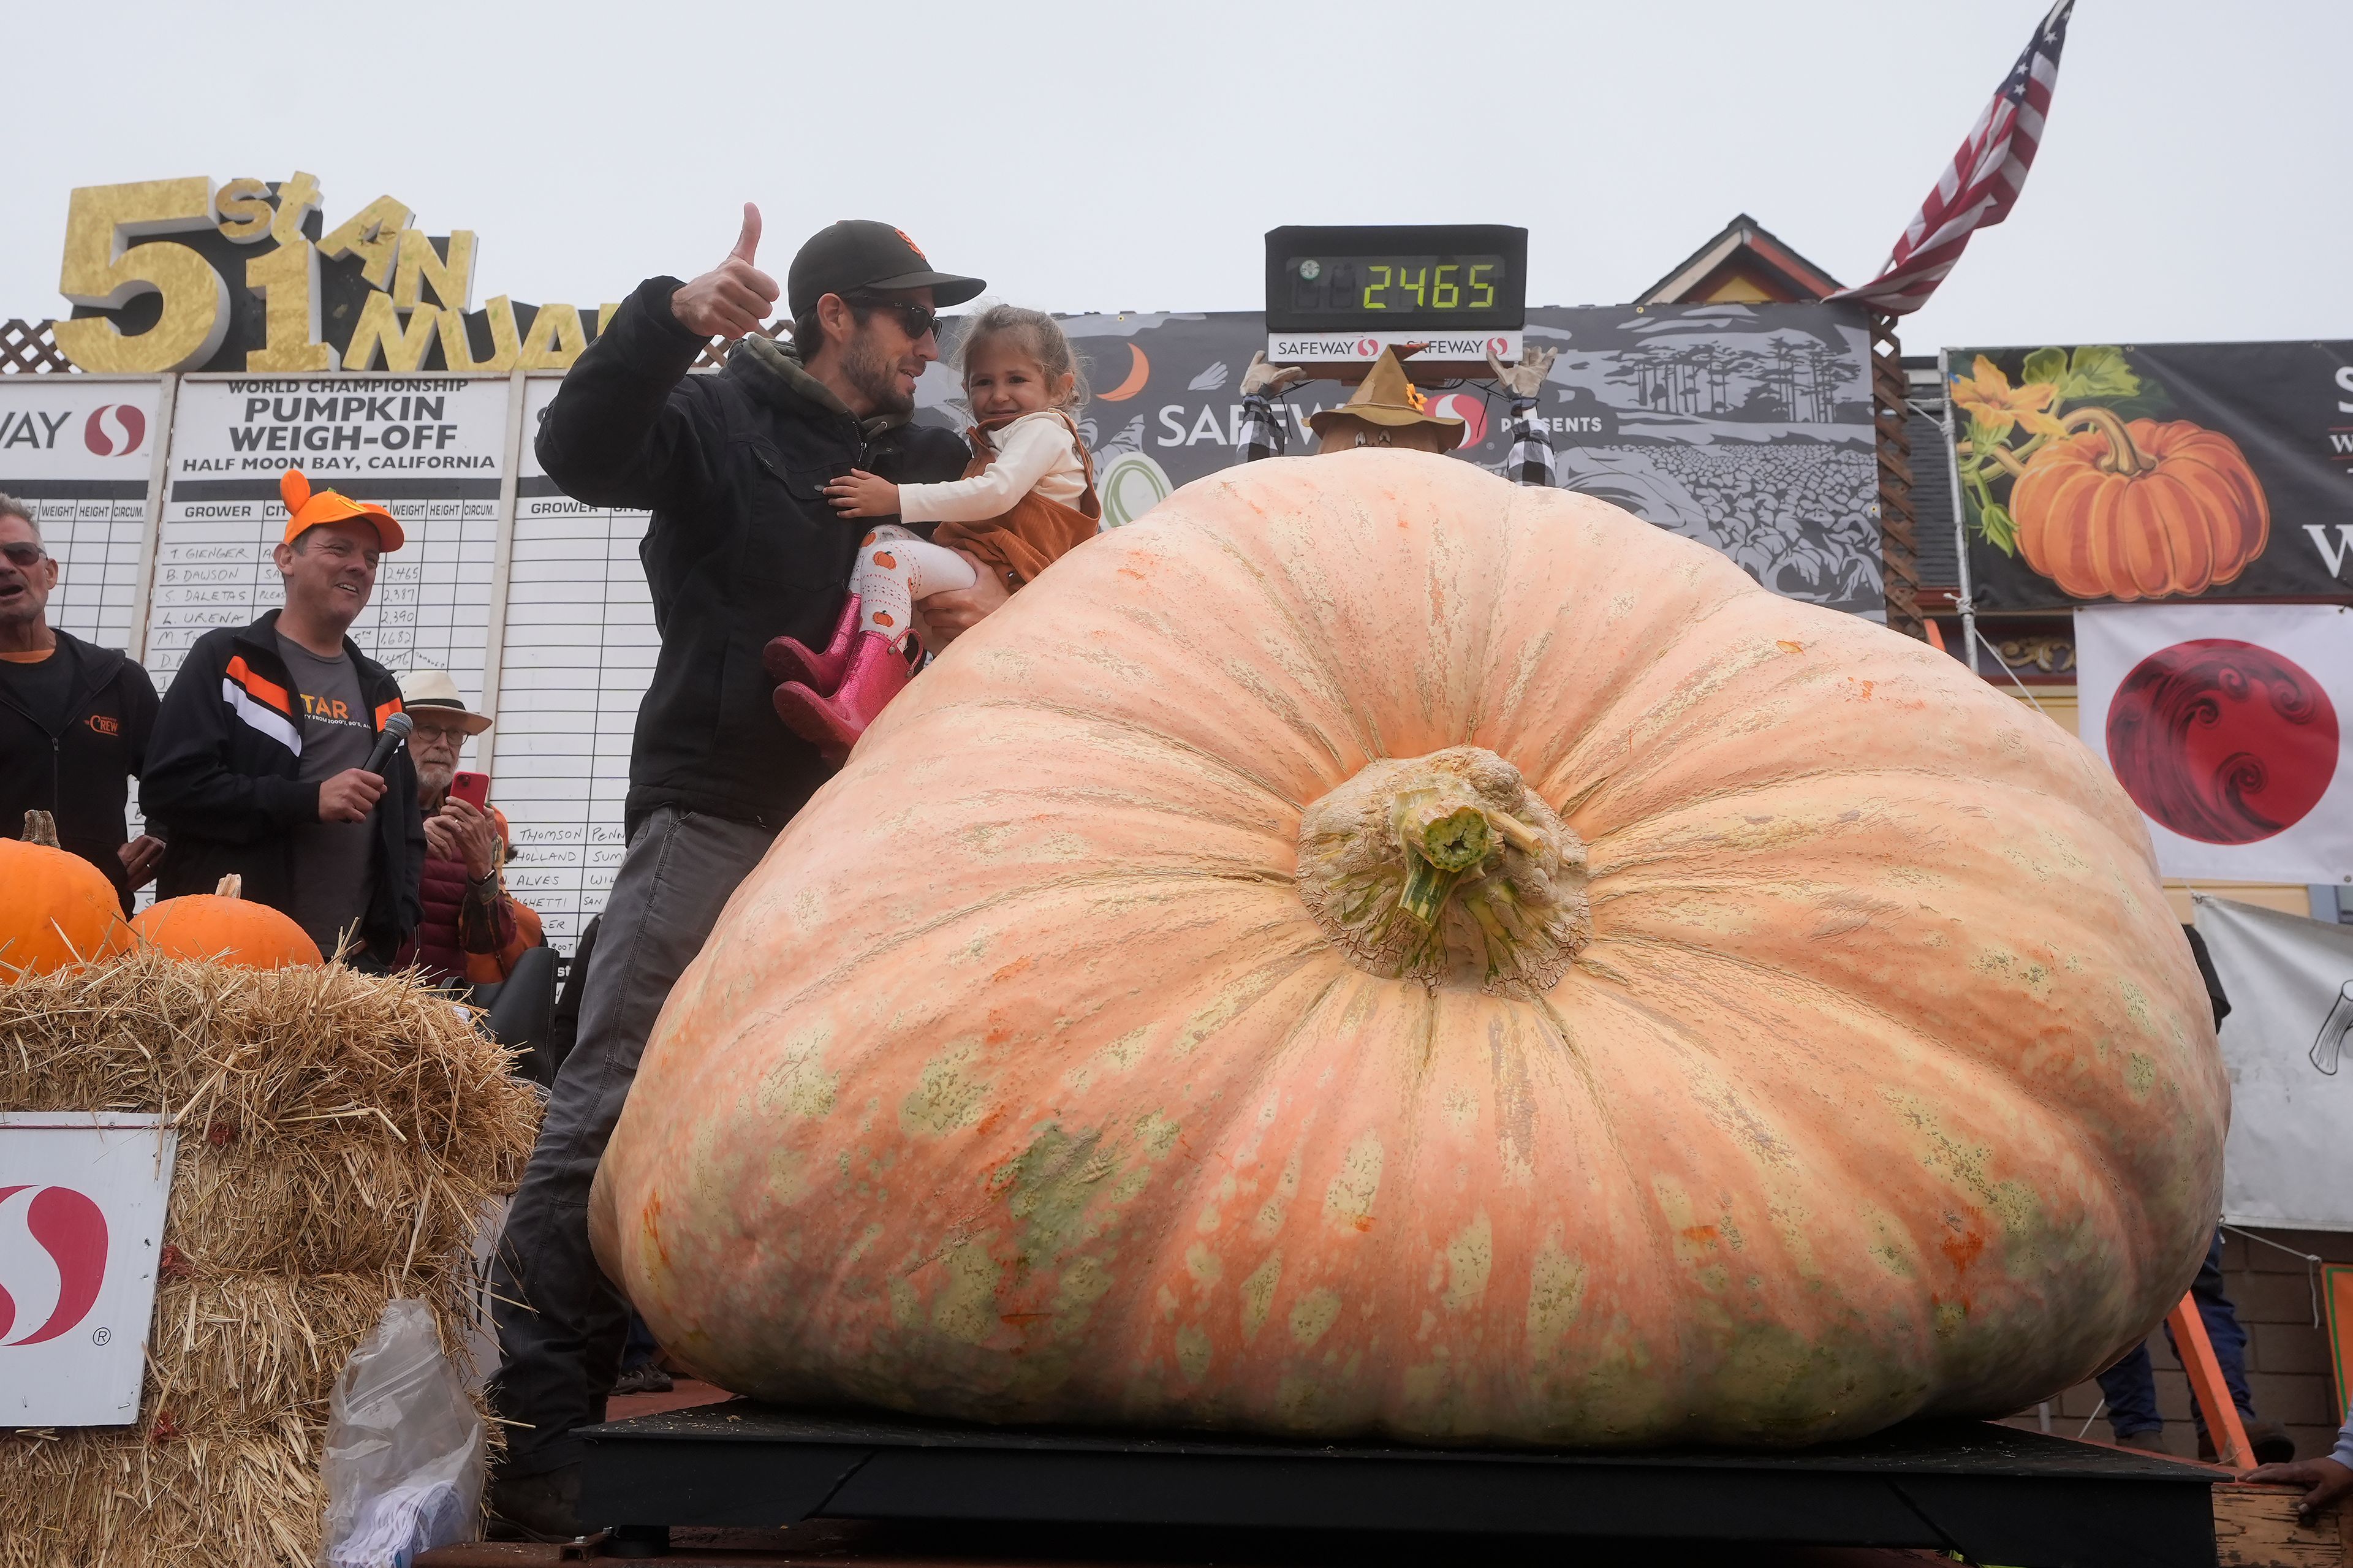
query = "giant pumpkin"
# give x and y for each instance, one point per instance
(1370, 949)
(2141, 511)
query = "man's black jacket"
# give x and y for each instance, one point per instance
(223, 781)
(80, 773)
(742, 546)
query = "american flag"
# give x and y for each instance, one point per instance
(1983, 181)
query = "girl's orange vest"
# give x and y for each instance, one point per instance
(1035, 531)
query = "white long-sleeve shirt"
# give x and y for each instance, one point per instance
(1036, 452)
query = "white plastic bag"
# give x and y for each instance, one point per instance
(404, 1464)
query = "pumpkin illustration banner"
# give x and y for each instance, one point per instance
(2104, 473)
(1747, 427)
(2231, 726)
(2290, 982)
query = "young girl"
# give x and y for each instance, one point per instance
(1027, 498)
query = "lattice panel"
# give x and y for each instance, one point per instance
(30, 348)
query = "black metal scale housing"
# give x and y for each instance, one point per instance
(1991, 1493)
(1398, 278)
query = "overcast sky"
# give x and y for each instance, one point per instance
(1108, 157)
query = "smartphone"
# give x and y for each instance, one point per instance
(474, 789)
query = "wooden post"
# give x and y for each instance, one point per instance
(1898, 538)
(2214, 1400)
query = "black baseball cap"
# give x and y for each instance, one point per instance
(858, 253)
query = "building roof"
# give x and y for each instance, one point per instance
(1746, 263)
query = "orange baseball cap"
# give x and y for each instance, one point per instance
(307, 509)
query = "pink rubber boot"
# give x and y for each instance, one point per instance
(876, 673)
(788, 659)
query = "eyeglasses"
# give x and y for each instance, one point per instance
(913, 319)
(23, 555)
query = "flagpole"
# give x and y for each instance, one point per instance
(1960, 532)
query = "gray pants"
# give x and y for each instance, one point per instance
(561, 1322)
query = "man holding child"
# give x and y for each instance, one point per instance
(744, 547)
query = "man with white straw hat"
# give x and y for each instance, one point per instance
(473, 930)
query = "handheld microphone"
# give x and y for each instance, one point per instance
(393, 735)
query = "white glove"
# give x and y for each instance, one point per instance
(1525, 379)
(1261, 377)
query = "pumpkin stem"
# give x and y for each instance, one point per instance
(2124, 458)
(40, 827)
(231, 886)
(1446, 867)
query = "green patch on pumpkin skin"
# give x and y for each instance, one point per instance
(948, 1097)
(965, 1307)
(905, 1305)
(1270, 1213)
(795, 1084)
(1052, 1188)
(1192, 1353)
(1469, 1260)
(1115, 1058)
(1203, 1264)
(1348, 1201)
(1084, 1282)
(1313, 1317)
(1157, 1133)
(1556, 1296)
(2141, 1074)
(1258, 1295)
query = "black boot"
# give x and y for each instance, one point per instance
(543, 1506)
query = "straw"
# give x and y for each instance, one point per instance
(339, 1136)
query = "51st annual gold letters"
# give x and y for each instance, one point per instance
(125, 241)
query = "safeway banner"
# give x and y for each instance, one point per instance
(1747, 427)
(2290, 982)
(82, 1198)
(2128, 473)
(2231, 728)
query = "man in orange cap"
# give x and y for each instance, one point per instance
(257, 763)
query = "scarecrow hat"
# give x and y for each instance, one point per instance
(1387, 397)
(306, 509)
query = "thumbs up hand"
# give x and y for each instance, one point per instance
(734, 297)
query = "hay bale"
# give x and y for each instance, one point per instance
(339, 1135)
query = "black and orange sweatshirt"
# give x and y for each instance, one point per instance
(222, 782)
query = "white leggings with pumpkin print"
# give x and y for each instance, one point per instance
(896, 566)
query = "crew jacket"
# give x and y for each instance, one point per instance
(742, 546)
(223, 780)
(80, 773)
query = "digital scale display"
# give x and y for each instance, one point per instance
(1447, 278)
(1446, 286)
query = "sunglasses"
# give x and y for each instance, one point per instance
(913, 319)
(23, 555)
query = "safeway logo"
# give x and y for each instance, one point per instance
(114, 430)
(1471, 411)
(52, 1261)
(1367, 348)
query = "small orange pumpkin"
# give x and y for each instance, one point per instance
(59, 910)
(221, 927)
(2139, 511)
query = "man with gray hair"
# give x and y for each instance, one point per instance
(74, 718)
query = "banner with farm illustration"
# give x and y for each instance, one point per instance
(1747, 427)
(2104, 473)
